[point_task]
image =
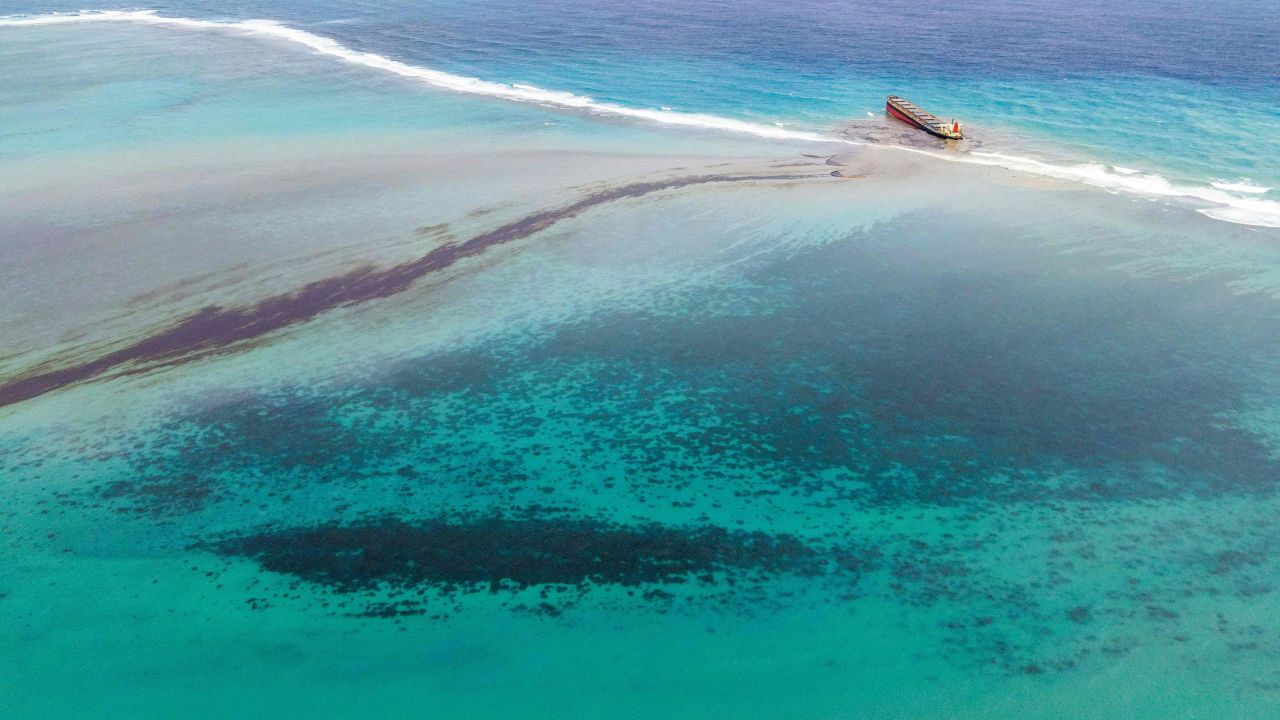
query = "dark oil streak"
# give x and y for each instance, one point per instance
(217, 328)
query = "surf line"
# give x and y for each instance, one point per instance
(437, 78)
(216, 329)
(1229, 205)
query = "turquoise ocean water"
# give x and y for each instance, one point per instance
(562, 360)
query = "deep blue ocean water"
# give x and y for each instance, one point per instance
(327, 392)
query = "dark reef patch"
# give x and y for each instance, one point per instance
(275, 435)
(391, 609)
(514, 554)
(218, 329)
(944, 375)
(159, 496)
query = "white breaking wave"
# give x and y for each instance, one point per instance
(437, 78)
(1240, 186)
(1232, 207)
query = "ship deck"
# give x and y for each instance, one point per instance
(918, 115)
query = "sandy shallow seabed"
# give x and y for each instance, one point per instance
(190, 228)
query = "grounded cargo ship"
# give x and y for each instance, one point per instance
(909, 113)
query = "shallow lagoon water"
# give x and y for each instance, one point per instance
(795, 447)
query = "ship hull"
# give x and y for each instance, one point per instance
(919, 119)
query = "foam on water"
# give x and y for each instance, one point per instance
(1230, 206)
(1240, 186)
(448, 81)
(1242, 210)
